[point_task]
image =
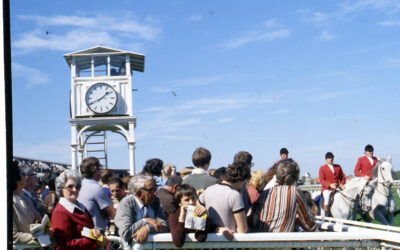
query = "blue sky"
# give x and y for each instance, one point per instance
(312, 76)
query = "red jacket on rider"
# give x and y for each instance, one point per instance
(364, 167)
(327, 177)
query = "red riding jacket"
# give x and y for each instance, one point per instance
(327, 177)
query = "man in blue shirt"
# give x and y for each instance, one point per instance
(92, 195)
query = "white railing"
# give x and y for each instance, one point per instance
(345, 234)
(333, 233)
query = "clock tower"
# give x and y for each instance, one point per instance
(101, 99)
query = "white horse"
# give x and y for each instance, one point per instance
(354, 199)
(382, 202)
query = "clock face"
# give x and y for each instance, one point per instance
(101, 98)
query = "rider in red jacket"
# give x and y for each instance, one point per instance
(331, 177)
(366, 163)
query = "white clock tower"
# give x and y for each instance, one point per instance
(101, 99)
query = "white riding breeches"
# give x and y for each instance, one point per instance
(326, 195)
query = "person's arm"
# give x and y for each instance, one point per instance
(176, 226)
(21, 237)
(357, 169)
(241, 222)
(303, 213)
(104, 203)
(125, 219)
(322, 178)
(160, 217)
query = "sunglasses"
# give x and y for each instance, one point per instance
(71, 187)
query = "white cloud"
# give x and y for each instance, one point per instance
(80, 31)
(328, 96)
(279, 112)
(390, 23)
(393, 61)
(73, 40)
(167, 125)
(32, 76)
(211, 105)
(178, 137)
(314, 17)
(160, 90)
(385, 6)
(269, 30)
(172, 85)
(202, 80)
(58, 150)
(225, 120)
(196, 18)
(327, 36)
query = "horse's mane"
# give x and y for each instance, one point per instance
(374, 171)
(354, 180)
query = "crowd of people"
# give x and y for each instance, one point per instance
(233, 199)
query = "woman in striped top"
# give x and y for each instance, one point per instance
(284, 205)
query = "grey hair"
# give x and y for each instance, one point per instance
(27, 169)
(287, 172)
(63, 178)
(137, 182)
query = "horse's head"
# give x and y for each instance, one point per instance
(382, 172)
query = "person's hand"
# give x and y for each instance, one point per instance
(155, 223)
(333, 185)
(182, 214)
(199, 192)
(141, 234)
(96, 232)
(226, 232)
(341, 187)
(199, 210)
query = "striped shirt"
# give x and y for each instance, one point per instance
(283, 207)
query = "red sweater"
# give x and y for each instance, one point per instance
(364, 167)
(67, 228)
(327, 177)
(178, 231)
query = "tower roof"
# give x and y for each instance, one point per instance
(137, 60)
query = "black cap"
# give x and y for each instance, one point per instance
(369, 148)
(284, 151)
(329, 155)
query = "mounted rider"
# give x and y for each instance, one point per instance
(331, 177)
(366, 163)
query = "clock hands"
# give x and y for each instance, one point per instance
(97, 100)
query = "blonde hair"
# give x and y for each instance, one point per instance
(257, 178)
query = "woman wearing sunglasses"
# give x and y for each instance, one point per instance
(70, 217)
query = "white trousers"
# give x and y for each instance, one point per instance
(326, 195)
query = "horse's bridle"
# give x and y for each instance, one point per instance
(389, 193)
(358, 197)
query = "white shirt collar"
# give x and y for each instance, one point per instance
(331, 167)
(71, 206)
(140, 204)
(199, 171)
(371, 160)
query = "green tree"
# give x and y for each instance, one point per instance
(396, 175)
